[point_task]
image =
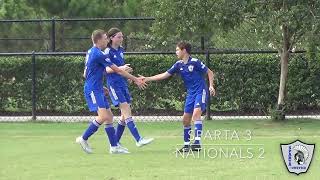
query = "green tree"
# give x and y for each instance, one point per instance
(44, 9)
(282, 24)
(18, 9)
(177, 20)
(285, 24)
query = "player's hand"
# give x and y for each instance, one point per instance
(105, 91)
(127, 68)
(140, 83)
(143, 78)
(212, 91)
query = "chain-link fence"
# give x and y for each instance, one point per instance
(65, 35)
(73, 35)
(49, 86)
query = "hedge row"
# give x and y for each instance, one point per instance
(244, 83)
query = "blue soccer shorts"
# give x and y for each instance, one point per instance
(196, 100)
(96, 99)
(119, 95)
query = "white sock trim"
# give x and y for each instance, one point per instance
(95, 122)
(123, 123)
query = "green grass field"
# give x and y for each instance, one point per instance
(42, 151)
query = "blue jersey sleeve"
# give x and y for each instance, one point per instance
(199, 66)
(109, 53)
(104, 60)
(173, 69)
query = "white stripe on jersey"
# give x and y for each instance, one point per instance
(106, 51)
(204, 96)
(93, 98)
(113, 92)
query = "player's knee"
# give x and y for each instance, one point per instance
(196, 118)
(125, 111)
(186, 121)
(126, 116)
(106, 118)
(196, 115)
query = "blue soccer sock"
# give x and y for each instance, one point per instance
(133, 129)
(93, 127)
(111, 134)
(186, 134)
(120, 128)
(197, 131)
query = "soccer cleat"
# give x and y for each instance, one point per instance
(185, 148)
(195, 147)
(84, 145)
(144, 141)
(120, 145)
(118, 150)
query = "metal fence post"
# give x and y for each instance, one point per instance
(202, 43)
(208, 65)
(125, 43)
(53, 35)
(208, 113)
(33, 75)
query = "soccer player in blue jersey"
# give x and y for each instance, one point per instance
(118, 88)
(192, 72)
(96, 63)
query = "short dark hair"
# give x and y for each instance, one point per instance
(111, 33)
(184, 45)
(97, 34)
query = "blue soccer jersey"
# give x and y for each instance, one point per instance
(117, 58)
(192, 74)
(117, 84)
(96, 63)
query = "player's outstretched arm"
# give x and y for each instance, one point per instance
(125, 67)
(157, 77)
(138, 81)
(211, 83)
